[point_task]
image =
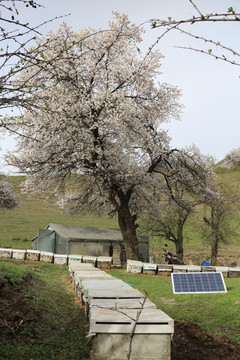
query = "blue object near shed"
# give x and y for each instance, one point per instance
(205, 263)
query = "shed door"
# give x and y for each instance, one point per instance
(46, 240)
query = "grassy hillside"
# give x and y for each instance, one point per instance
(20, 225)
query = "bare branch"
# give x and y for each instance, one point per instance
(223, 17)
(229, 16)
(195, 6)
(134, 327)
(209, 52)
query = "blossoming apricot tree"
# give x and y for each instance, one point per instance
(97, 111)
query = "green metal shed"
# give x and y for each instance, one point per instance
(65, 239)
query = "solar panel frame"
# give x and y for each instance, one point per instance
(198, 283)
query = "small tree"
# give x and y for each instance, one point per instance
(220, 208)
(168, 223)
(189, 175)
(232, 159)
(97, 110)
(8, 199)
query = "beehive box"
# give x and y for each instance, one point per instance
(208, 269)
(144, 347)
(150, 321)
(33, 255)
(149, 269)
(180, 268)
(111, 330)
(106, 284)
(80, 276)
(80, 267)
(86, 270)
(5, 253)
(134, 266)
(117, 255)
(60, 259)
(72, 259)
(104, 262)
(118, 293)
(90, 260)
(223, 270)
(140, 303)
(164, 270)
(193, 268)
(77, 266)
(46, 257)
(18, 254)
(234, 272)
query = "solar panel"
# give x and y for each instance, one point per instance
(198, 283)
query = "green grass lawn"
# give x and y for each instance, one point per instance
(215, 313)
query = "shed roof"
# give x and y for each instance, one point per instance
(89, 233)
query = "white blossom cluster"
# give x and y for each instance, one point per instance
(95, 110)
(232, 159)
(8, 199)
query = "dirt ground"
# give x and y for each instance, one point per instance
(15, 310)
(189, 341)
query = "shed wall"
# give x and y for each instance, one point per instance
(92, 248)
(46, 240)
(61, 246)
(34, 245)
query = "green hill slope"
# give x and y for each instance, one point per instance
(20, 225)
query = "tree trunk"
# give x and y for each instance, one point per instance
(179, 241)
(214, 253)
(128, 229)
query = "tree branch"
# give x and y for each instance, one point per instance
(170, 24)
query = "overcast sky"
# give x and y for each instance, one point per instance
(210, 88)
